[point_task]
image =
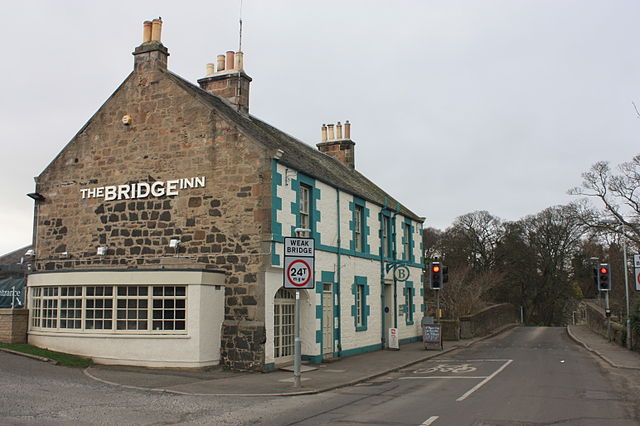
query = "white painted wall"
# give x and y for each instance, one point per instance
(199, 346)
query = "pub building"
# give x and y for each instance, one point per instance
(159, 230)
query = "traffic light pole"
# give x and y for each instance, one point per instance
(607, 312)
(626, 290)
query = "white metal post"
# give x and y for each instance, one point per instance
(297, 349)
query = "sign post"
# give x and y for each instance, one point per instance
(636, 270)
(299, 259)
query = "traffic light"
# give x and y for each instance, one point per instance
(435, 275)
(604, 277)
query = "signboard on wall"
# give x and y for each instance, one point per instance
(299, 257)
(12, 293)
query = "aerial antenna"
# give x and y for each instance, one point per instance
(240, 36)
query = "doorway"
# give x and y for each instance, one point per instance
(327, 321)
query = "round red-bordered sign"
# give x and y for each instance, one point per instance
(305, 265)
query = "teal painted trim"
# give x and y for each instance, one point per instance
(409, 295)
(275, 258)
(366, 230)
(269, 367)
(314, 213)
(276, 205)
(325, 277)
(407, 238)
(366, 309)
(410, 340)
(422, 307)
(364, 349)
(314, 359)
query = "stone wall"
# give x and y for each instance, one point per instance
(13, 325)
(487, 320)
(221, 226)
(597, 322)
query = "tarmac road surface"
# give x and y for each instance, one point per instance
(527, 376)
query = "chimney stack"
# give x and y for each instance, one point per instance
(151, 54)
(336, 146)
(229, 80)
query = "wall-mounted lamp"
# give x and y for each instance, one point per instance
(30, 253)
(102, 250)
(64, 255)
(36, 196)
(174, 242)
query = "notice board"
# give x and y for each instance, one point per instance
(432, 336)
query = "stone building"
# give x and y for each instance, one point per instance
(160, 225)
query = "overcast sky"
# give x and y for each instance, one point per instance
(455, 106)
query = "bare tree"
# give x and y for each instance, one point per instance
(466, 292)
(618, 193)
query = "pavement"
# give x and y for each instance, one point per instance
(323, 377)
(615, 355)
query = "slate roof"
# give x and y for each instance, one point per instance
(14, 257)
(297, 154)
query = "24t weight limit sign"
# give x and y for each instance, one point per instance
(299, 256)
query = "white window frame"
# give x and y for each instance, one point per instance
(46, 302)
(358, 228)
(305, 206)
(360, 305)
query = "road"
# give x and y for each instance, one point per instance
(523, 377)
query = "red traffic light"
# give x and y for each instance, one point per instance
(435, 268)
(603, 270)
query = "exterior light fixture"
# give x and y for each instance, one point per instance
(64, 255)
(174, 242)
(30, 253)
(126, 119)
(102, 250)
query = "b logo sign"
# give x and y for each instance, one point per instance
(401, 273)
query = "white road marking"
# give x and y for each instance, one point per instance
(442, 377)
(484, 382)
(429, 421)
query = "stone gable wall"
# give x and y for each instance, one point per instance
(221, 226)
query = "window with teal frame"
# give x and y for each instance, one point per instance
(360, 310)
(358, 226)
(407, 241)
(386, 236)
(409, 294)
(304, 207)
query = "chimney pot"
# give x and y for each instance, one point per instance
(230, 60)
(239, 61)
(347, 130)
(146, 32)
(156, 30)
(220, 61)
(324, 133)
(339, 131)
(211, 70)
(331, 133)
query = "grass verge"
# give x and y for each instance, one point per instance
(61, 358)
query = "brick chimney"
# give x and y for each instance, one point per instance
(338, 146)
(151, 54)
(229, 80)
